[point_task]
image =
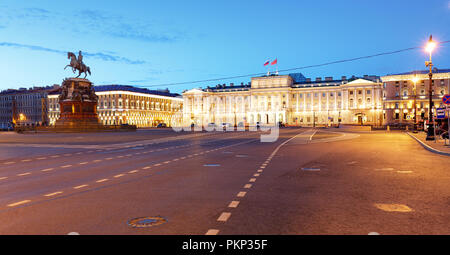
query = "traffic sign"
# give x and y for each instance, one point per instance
(446, 99)
(440, 113)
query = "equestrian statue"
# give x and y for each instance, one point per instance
(77, 64)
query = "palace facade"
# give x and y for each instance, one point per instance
(400, 92)
(291, 99)
(121, 104)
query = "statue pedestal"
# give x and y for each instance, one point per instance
(78, 106)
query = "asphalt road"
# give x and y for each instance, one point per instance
(310, 181)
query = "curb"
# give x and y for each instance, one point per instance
(429, 148)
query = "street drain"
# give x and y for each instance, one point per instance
(310, 169)
(211, 165)
(145, 222)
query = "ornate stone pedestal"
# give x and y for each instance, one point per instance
(78, 106)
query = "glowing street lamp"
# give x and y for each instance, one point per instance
(431, 45)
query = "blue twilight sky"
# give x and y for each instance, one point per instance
(156, 42)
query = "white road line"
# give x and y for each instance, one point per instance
(157, 164)
(102, 180)
(2, 178)
(241, 194)
(55, 156)
(27, 173)
(233, 204)
(81, 186)
(47, 169)
(252, 180)
(247, 186)
(78, 153)
(385, 169)
(119, 156)
(83, 163)
(19, 203)
(26, 160)
(310, 138)
(108, 158)
(165, 162)
(97, 160)
(42, 158)
(224, 216)
(212, 232)
(119, 175)
(147, 167)
(53, 194)
(256, 175)
(133, 171)
(7, 163)
(259, 170)
(66, 166)
(404, 172)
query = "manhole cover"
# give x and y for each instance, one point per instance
(145, 222)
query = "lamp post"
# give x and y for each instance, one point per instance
(429, 48)
(414, 80)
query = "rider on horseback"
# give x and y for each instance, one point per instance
(80, 59)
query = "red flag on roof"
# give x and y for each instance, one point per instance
(274, 62)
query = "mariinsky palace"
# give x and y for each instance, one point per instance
(291, 99)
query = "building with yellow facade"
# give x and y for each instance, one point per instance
(401, 90)
(121, 104)
(291, 99)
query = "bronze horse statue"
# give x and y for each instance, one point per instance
(77, 64)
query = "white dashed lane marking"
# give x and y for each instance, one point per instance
(22, 174)
(252, 180)
(81, 186)
(119, 175)
(19, 203)
(53, 194)
(241, 194)
(47, 169)
(66, 166)
(2, 178)
(102, 180)
(83, 163)
(233, 204)
(224, 216)
(212, 232)
(247, 186)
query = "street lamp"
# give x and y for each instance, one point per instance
(429, 48)
(415, 80)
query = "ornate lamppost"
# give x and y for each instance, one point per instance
(429, 48)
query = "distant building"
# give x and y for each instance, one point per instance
(123, 104)
(399, 94)
(291, 99)
(24, 106)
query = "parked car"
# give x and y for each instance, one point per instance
(161, 125)
(226, 125)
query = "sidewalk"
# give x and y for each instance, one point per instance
(433, 146)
